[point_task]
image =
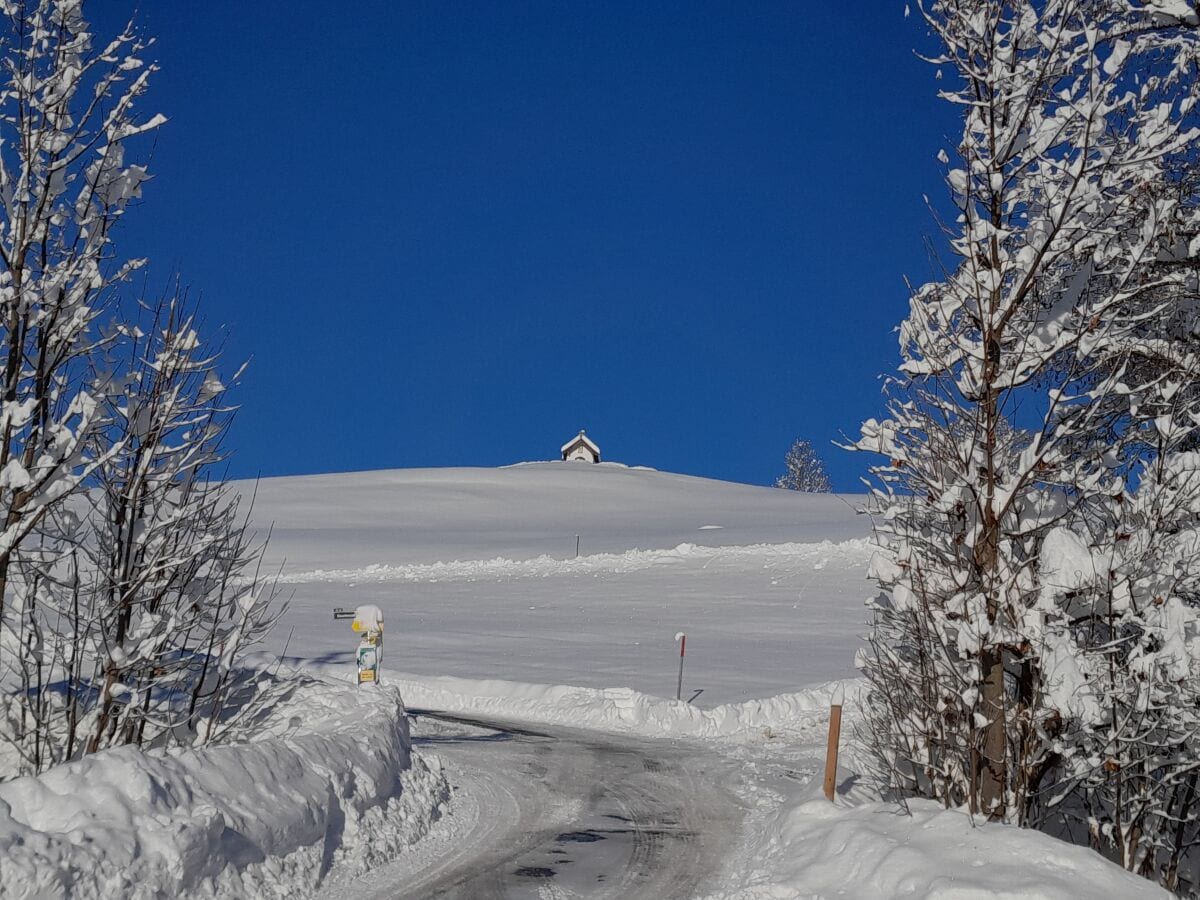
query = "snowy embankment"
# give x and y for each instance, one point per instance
(328, 776)
(501, 568)
(621, 710)
(876, 851)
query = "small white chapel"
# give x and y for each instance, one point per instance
(581, 448)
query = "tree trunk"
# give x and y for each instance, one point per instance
(993, 764)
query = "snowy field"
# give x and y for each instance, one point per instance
(475, 571)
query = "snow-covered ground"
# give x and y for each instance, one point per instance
(874, 851)
(491, 615)
(325, 777)
(475, 571)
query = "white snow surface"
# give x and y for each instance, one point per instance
(518, 512)
(624, 711)
(329, 777)
(489, 614)
(874, 851)
(476, 574)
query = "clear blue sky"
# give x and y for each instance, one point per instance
(457, 233)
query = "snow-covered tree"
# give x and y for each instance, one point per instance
(1034, 652)
(805, 471)
(175, 594)
(67, 115)
(127, 588)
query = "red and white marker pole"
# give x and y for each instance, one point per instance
(682, 638)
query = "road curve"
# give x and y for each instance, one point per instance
(561, 813)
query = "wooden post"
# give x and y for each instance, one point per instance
(835, 733)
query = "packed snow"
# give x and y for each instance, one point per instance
(877, 851)
(325, 777)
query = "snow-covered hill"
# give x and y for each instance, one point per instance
(530, 509)
(476, 573)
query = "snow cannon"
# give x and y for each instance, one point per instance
(368, 622)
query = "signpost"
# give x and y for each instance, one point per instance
(368, 622)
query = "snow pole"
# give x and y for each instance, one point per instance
(835, 733)
(682, 639)
(577, 546)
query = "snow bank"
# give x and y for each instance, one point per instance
(329, 776)
(876, 852)
(595, 564)
(621, 710)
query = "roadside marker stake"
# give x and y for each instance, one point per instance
(835, 733)
(682, 638)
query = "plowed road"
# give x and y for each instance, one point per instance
(557, 813)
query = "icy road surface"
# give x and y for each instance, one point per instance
(552, 813)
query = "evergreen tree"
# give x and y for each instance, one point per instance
(805, 471)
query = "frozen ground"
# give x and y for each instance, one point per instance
(564, 812)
